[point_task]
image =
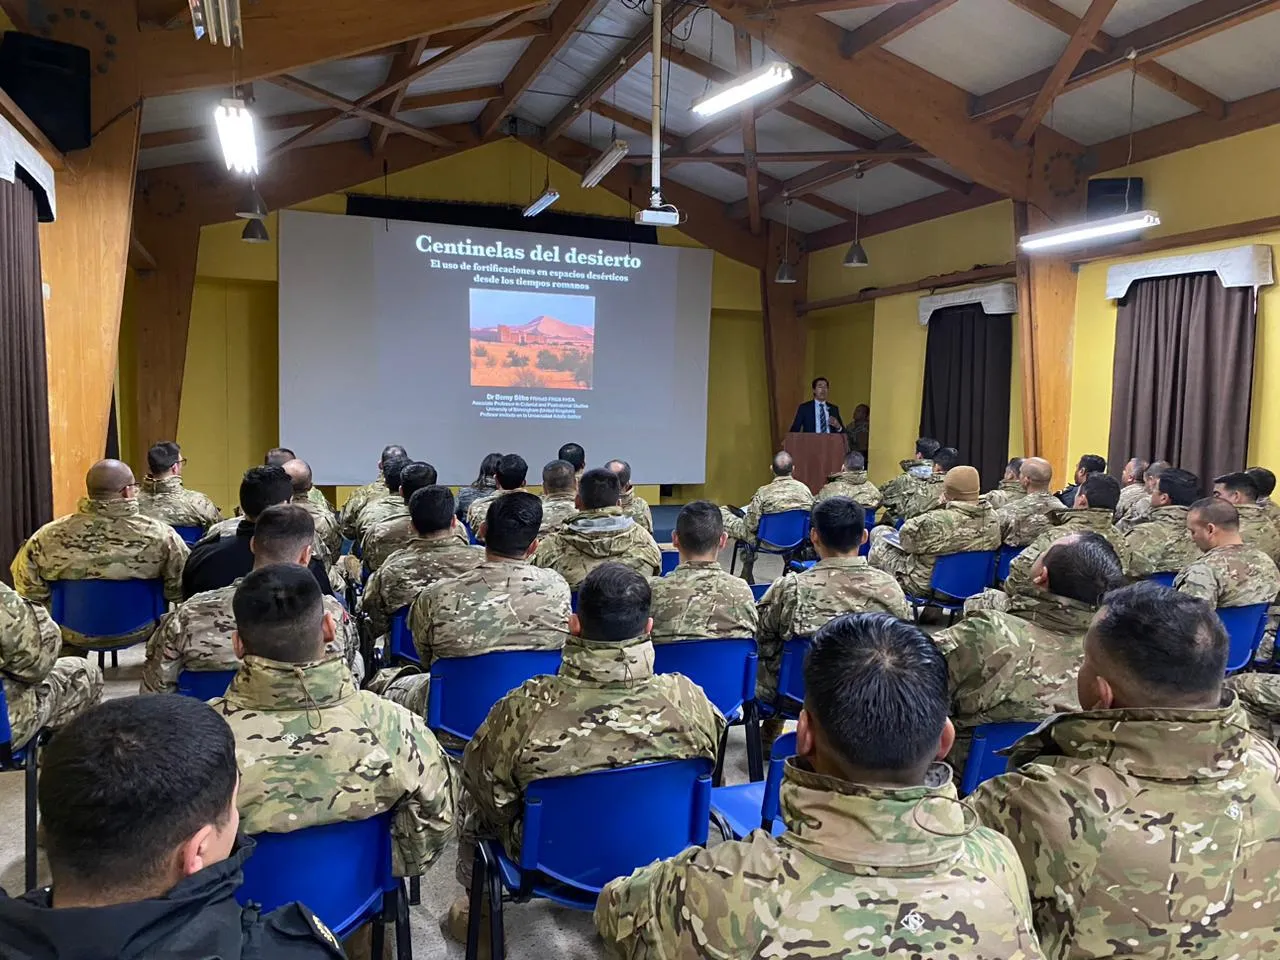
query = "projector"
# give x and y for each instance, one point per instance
(658, 218)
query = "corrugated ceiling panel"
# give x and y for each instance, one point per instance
(1129, 14)
(881, 188)
(1100, 111)
(1236, 63)
(487, 64)
(804, 218)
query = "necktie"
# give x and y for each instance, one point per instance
(822, 418)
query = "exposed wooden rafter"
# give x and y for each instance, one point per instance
(888, 26)
(405, 59)
(827, 6)
(846, 157)
(903, 215)
(1003, 271)
(348, 107)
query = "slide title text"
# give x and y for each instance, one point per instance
(542, 253)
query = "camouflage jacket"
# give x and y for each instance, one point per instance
(318, 499)
(556, 509)
(1067, 521)
(1257, 530)
(378, 511)
(637, 508)
(605, 708)
(1129, 495)
(397, 582)
(796, 605)
(391, 536)
(1139, 509)
(954, 528)
(478, 512)
(854, 485)
(1272, 511)
(169, 502)
(593, 537)
(921, 496)
(892, 492)
(499, 604)
(1161, 543)
(1006, 493)
(1235, 575)
(102, 540)
(326, 526)
(29, 646)
(862, 871)
(1145, 832)
(196, 636)
(349, 518)
(1025, 518)
(312, 749)
(778, 496)
(701, 600)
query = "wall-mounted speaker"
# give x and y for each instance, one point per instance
(49, 81)
(1106, 197)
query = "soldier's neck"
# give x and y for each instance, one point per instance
(1232, 541)
(67, 895)
(698, 557)
(445, 534)
(832, 766)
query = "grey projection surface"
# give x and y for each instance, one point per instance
(457, 342)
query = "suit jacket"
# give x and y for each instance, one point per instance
(805, 418)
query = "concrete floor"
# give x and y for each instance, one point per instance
(534, 929)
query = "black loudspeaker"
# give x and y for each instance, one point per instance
(49, 81)
(1107, 196)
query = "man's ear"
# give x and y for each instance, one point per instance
(1041, 578)
(253, 545)
(328, 628)
(724, 541)
(947, 739)
(675, 540)
(533, 548)
(813, 537)
(575, 625)
(482, 530)
(648, 628)
(806, 743)
(305, 557)
(194, 850)
(866, 535)
(237, 645)
(1106, 694)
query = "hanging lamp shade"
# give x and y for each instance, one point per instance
(255, 231)
(856, 255)
(251, 205)
(786, 273)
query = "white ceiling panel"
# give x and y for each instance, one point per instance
(349, 79)
(198, 151)
(708, 178)
(852, 19)
(598, 133)
(785, 171)
(804, 218)
(538, 108)
(881, 188)
(438, 116)
(195, 107)
(1235, 63)
(484, 65)
(711, 38)
(1128, 15)
(1099, 111)
(776, 132)
(835, 107)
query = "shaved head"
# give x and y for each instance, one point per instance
(783, 464)
(299, 474)
(107, 480)
(1037, 472)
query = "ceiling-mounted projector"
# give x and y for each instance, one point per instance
(658, 218)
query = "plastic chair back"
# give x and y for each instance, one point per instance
(771, 809)
(204, 684)
(464, 689)
(107, 609)
(637, 814)
(670, 560)
(984, 762)
(724, 669)
(963, 575)
(869, 521)
(7, 754)
(758, 590)
(189, 535)
(1165, 577)
(400, 638)
(1245, 626)
(780, 532)
(339, 870)
(791, 669)
(1007, 556)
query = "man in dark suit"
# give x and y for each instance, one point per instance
(816, 415)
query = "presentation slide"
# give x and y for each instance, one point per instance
(457, 342)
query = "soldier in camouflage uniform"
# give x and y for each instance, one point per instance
(162, 496)
(349, 518)
(878, 858)
(407, 477)
(1140, 504)
(1256, 529)
(1265, 481)
(921, 465)
(699, 599)
(512, 474)
(434, 554)
(327, 534)
(1025, 518)
(1229, 573)
(1010, 487)
(559, 496)
(390, 528)
(923, 494)
(784, 492)
(196, 635)
(1160, 543)
(633, 505)
(1021, 664)
(1133, 485)
(597, 534)
(314, 749)
(279, 457)
(962, 522)
(41, 689)
(105, 539)
(1144, 822)
(852, 482)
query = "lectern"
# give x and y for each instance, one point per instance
(817, 456)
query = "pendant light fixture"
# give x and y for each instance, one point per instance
(856, 255)
(786, 273)
(255, 231)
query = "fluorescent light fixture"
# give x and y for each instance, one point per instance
(1091, 230)
(235, 130)
(607, 161)
(220, 19)
(856, 255)
(548, 197)
(785, 274)
(255, 231)
(743, 88)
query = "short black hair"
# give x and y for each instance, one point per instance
(263, 487)
(280, 532)
(574, 453)
(393, 451)
(1084, 567)
(1092, 463)
(1181, 486)
(699, 526)
(162, 456)
(512, 471)
(512, 523)
(1238, 482)
(946, 458)
(623, 472)
(613, 603)
(1263, 479)
(278, 457)
(558, 476)
(599, 488)
(391, 471)
(127, 781)
(1219, 512)
(1102, 491)
(840, 522)
(488, 468)
(414, 476)
(1015, 465)
(1169, 642)
(877, 686)
(926, 447)
(431, 508)
(854, 460)
(278, 610)
(818, 380)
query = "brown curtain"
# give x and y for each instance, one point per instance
(26, 483)
(1183, 374)
(966, 386)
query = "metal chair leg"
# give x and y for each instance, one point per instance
(497, 948)
(378, 934)
(717, 775)
(404, 940)
(115, 662)
(32, 775)
(755, 750)
(102, 659)
(479, 876)
(415, 891)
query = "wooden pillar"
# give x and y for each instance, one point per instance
(784, 333)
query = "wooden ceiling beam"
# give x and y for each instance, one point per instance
(942, 281)
(903, 215)
(846, 157)
(888, 26)
(747, 118)
(827, 6)
(799, 187)
(346, 108)
(406, 58)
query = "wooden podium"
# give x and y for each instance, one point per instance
(817, 456)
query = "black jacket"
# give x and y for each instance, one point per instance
(199, 919)
(218, 561)
(806, 421)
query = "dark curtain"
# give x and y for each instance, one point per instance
(1183, 374)
(26, 482)
(966, 386)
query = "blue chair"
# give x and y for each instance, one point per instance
(956, 577)
(869, 521)
(1165, 577)
(743, 807)
(471, 537)
(778, 533)
(758, 590)
(204, 684)
(348, 545)
(984, 760)
(341, 871)
(799, 566)
(573, 601)
(27, 759)
(400, 648)
(726, 672)
(637, 814)
(1007, 556)
(670, 560)
(464, 689)
(189, 535)
(791, 677)
(108, 610)
(1245, 626)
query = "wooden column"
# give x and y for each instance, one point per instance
(784, 333)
